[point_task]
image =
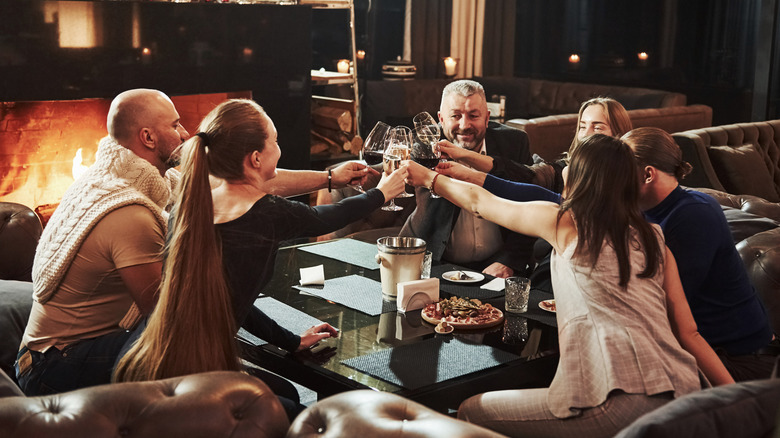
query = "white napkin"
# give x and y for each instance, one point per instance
(494, 284)
(314, 275)
(416, 294)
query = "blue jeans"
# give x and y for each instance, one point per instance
(88, 362)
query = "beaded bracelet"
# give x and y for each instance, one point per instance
(433, 183)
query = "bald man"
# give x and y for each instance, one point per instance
(99, 261)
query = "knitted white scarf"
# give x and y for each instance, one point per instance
(118, 178)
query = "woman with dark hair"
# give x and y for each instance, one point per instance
(628, 342)
(222, 248)
(726, 307)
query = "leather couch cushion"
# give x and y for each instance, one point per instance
(742, 170)
(20, 230)
(744, 224)
(745, 410)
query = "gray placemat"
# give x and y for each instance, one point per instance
(288, 317)
(470, 290)
(430, 361)
(350, 251)
(356, 292)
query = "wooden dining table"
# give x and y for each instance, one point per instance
(392, 351)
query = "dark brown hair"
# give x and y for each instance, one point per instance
(655, 147)
(603, 197)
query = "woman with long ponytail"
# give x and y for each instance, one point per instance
(224, 234)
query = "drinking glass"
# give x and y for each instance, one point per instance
(392, 161)
(517, 291)
(400, 139)
(373, 147)
(425, 150)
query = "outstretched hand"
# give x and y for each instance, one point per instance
(316, 334)
(351, 172)
(449, 150)
(419, 176)
(392, 185)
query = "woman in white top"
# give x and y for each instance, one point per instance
(628, 342)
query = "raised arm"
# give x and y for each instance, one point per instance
(483, 163)
(298, 182)
(684, 327)
(537, 219)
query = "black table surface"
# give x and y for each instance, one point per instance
(321, 369)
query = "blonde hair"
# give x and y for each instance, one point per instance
(192, 329)
(617, 118)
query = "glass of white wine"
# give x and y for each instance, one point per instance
(400, 139)
(392, 162)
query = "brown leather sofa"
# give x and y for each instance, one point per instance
(20, 229)
(742, 158)
(550, 136)
(396, 102)
(758, 241)
(374, 414)
(216, 404)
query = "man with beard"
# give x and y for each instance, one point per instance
(98, 264)
(466, 239)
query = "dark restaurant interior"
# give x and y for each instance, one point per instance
(706, 72)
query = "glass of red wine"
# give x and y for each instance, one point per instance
(373, 147)
(425, 147)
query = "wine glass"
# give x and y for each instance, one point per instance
(426, 120)
(400, 139)
(425, 149)
(373, 148)
(392, 161)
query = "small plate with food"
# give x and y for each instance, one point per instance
(548, 305)
(463, 276)
(461, 313)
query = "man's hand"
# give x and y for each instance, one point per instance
(461, 172)
(351, 172)
(316, 334)
(498, 270)
(483, 163)
(449, 150)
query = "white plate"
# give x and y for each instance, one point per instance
(547, 305)
(452, 276)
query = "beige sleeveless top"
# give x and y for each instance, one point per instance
(612, 338)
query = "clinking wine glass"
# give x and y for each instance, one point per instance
(400, 139)
(373, 147)
(392, 161)
(425, 149)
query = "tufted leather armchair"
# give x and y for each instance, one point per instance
(20, 230)
(760, 251)
(216, 404)
(366, 413)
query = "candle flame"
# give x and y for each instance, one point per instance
(574, 58)
(642, 55)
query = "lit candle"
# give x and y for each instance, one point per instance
(247, 54)
(343, 66)
(574, 58)
(361, 55)
(146, 55)
(642, 57)
(449, 66)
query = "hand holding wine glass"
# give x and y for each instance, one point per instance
(400, 139)
(374, 147)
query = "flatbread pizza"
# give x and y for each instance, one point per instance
(463, 313)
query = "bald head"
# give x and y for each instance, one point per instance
(134, 110)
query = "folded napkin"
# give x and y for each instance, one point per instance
(494, 284)
(314, 275)
(416, 294)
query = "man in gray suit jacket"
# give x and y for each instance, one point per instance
(465, 239)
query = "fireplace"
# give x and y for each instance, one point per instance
(44, 145)
(61, 62)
